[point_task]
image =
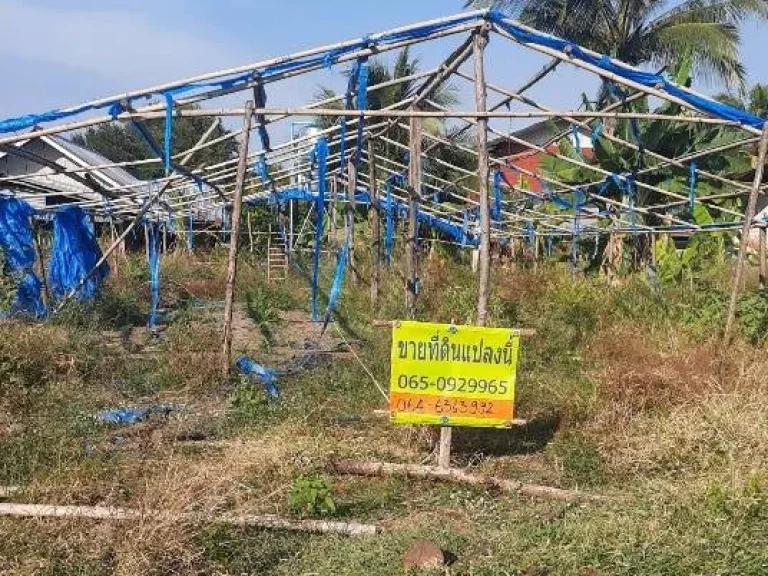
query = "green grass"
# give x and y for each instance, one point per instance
(686, 460)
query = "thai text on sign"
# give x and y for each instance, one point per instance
(453, 375)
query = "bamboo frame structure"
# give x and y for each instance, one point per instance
(404, 127)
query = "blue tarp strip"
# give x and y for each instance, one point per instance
(497, 198)
(321, 157)
(258, 372)
(168, 133)
(692, 184)
(647, 79)
(154, 272)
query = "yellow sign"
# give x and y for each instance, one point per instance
(453, 375)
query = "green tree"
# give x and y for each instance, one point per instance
(444, 95)
(121, 143)
(755, 102)
(653, 32)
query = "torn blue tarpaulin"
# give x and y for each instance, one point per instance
(338, 281)
(497, 198)
(321, 158)
(168, 133)
(153, 234)
(75, 253)
(362, 104)
(691, 185)
(126, 416)
(259, 373)
(647, 79)
(17, 242)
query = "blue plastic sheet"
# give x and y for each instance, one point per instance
(127, 416)
(154, 232)
(74, 254)
(18, 246)
(338, 281)
(497, 198)
(321, 157)
(691, 184)
(647, 79)
(259, 373)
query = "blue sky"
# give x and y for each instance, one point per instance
(54, 53)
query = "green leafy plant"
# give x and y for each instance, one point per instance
(311, 496)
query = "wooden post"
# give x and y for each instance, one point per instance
(237, 204)
(414, 186)
(41, 262)
(748, 217)
(250, 231)
(332, 214)
(481, 96)
(351, 187)
(763, 263)
(375, 228)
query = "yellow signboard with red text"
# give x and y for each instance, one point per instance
(453, 375)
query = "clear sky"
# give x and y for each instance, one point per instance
(54, 53)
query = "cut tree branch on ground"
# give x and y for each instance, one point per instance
(462, 477)
(270, 522)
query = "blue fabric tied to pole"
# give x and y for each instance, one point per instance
(576, 138)
(497, 197)
(338, 281)
(548, 246)
(362, 105)
(321, 158)
(692, 184)
(18, 246)
(259, 373)
(597, 133)
(530, 232)
(74, 254)
(168, 133)
(153, 230)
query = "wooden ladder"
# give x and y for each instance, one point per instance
(277, 260)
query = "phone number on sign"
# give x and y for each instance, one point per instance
(450, 384)
(445, 406)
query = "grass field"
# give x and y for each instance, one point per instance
(626, 389)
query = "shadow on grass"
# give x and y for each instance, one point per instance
(530, 438)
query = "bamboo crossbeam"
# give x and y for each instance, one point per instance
(112, 514)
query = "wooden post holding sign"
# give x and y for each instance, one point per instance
(449, 375)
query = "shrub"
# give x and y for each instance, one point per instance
(311, 496)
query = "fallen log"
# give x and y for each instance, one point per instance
(460, 476)
(269, 521)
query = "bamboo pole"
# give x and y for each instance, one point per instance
(414, 185)
(745, 232)
(350, 216)
(462, 477)
(268, 521)
(237, 205)
(481, 97)
(375, 228)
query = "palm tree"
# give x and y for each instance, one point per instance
(756, 101)
(445, 95)
(653, 32)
